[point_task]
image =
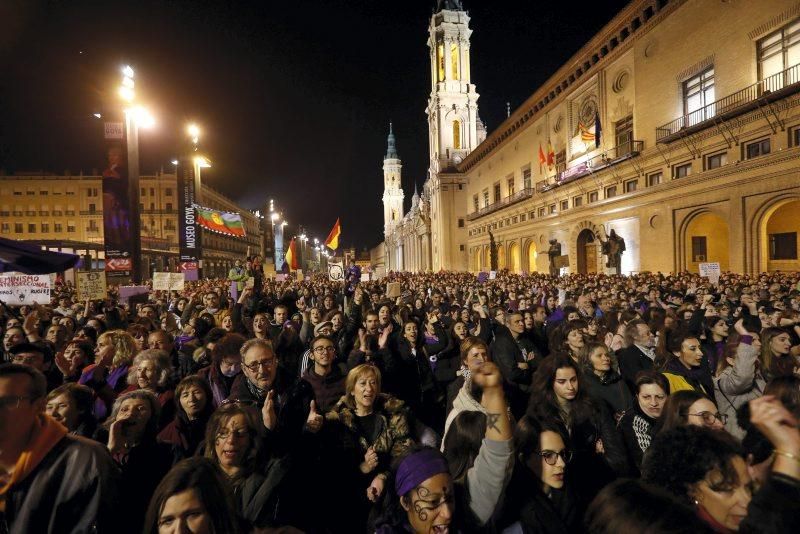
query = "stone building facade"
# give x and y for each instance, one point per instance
(677, 125)
(66, 213)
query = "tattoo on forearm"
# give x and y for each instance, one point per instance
(491, 421)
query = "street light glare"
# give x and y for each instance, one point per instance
(202, 162)
(126, 94)
(194, 132)
(97, 115)
(174, 162)
(275, 217)
(143, 117)
(127, 71)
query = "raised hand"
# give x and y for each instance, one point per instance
(268, 415)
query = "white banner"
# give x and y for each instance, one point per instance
(335, 272)
(168, 281)
(19, 289)
(91, 285)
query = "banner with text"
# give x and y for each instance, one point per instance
(188, 231)
(117, 209)
(25, 289)
(335, 272)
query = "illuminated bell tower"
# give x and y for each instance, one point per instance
(392, 190)
(453, 103)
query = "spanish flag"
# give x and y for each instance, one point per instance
(333, 238)
(291, 256)
(551, 154)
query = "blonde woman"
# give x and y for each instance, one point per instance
(108, 375)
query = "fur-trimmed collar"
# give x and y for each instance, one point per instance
(384, 404)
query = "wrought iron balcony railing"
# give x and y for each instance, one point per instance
(769, 89)
(502, 203)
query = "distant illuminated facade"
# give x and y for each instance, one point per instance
(697, 108)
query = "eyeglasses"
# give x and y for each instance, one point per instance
(322, 350)
(255, 366)
(12, 403)
(238, 434)
(551, 457)
(26, 360)
(709, 418)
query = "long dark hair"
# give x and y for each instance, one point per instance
(543, 402)
(201, 476)
(463, 441)
(676, 409)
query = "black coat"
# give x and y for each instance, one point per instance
(631, 362)
(774, 508)
(537, 513)
(611, 389)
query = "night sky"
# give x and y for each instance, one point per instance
(294, 97)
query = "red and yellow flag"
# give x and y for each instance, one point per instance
(291, 256)
(542, 157)
(551, 154)
(333, 238)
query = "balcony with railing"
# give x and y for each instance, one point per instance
(502, 203)
(596, 163)
(771, 88)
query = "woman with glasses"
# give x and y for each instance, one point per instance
(602, 379)
(235, 443)
(689, 407)
(559, 397)
(739, 376)
(638, 425)
(539, 498)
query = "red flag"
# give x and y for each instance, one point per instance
(291, 256)
(333, 238)
(542, 157)
(551, 154)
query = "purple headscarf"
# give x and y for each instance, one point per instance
(418, 467)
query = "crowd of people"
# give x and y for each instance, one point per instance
(518, 404)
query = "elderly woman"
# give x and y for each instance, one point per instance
(602, 381)
(367, 430)
(130, 434)
(71, 405)
(151, 370)
(235, 443)
(108, 375)
(193, 408)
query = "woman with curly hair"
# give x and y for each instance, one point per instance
(108, 375)
(152, 370)
(366, 430)
(704, 468)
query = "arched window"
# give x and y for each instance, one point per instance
(457, 134)
(440, 61)
(454, 60)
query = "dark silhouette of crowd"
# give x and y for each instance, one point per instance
(519, 404)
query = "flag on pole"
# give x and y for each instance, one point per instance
(551, 154)
(333, 238)
(586, 135)
(291, 256)
(598, 129)
(542, 157)
(222, 222)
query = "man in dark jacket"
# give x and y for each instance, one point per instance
(638, 354)
(516, 357)
(49, 481)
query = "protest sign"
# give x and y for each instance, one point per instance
(126, 292)
(168, 281)
(19, 289)
(710, 271)
(393, 290)
(335, 272)
(91, 285)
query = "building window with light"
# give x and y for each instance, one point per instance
(777, 52)
(497, 195)
(526, 178)
(454, 60)
(510, 183)
(698, 95)
(475, 202)
(440, 60)
(456, 134)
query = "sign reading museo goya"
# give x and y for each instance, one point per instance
(25, 289)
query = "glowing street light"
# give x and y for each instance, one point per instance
(194, 133)
(202, 162)
(174, 162)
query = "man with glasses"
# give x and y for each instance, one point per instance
(268, 386)
(40, 357)
(325, 376)
(49, 481)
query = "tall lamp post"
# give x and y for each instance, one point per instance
(135, 117)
